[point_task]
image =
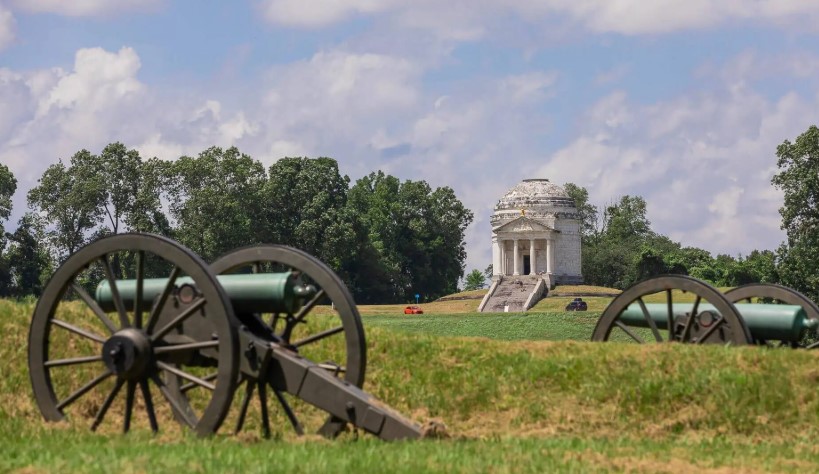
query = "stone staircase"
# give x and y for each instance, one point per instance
(519, 293)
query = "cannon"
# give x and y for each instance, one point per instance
(677, 308)
(141, 313)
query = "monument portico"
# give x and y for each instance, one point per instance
(523, 247)
(535, 245)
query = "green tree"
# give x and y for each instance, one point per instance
(306, 205)
(70, 199)
(30, 262)
(418, 233)
(216, 200)
(626, 219)
(8, 185)
(133, 188)
(587, 211)
(474, 280)
(798, 179)
(622, 251)
(488, 272)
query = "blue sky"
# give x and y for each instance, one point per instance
(681, 102)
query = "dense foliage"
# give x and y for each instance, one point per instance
(798, 179)
(622, 249)
(388, 239)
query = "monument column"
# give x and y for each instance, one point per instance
(550, 256)
(496, 268)
(532, 261)
(502, 266)
(515, 270)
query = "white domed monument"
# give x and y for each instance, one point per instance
(535, 245)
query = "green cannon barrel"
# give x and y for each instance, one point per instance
(773, 322)
(249, 293)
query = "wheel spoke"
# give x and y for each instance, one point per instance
(263, 406)
(318, 336)
(629, 332)
(184, 388)
(160, 302)
(186, 347)
(149, 404)
(249, 386)
(291, 415)
(130, 391)
(107, 404)
(177, 408)
(670, 301)
(73, 361)
(76, 330)
(274, 320)
(95, 307)
(650, 320)
(716, 324)
(179, 319)
(309, 306)
(84, 389)
(689, 323)
(112, 283)
(140, 282)
(185, 375)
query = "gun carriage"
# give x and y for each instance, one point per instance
(676, 308)
(268, 321)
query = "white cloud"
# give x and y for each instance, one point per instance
(283, 148)
(318, 13)
(85, 7)
(528, 87)
(7, 27)
(50, 114)
(703, 162)
(469, 19)
(99, 79)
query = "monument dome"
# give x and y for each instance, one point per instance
(536, 197)
(535, 241)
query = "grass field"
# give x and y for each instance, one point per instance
(517, 392)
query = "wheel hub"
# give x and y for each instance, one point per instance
(127, 353)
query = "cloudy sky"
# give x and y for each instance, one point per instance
(682, 102)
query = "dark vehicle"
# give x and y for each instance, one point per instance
(577, 304)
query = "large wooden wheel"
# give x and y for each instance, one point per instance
(709, 318)
(89, 361)
(323, 326)
(776, 294)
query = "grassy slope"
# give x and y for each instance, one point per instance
(511, 405)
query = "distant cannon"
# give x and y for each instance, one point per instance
(751, 314)
(269, 319)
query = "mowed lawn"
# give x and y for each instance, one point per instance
(517, 393)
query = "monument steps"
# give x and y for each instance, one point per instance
(513, 293)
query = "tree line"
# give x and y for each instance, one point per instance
(387, 239)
